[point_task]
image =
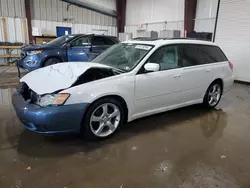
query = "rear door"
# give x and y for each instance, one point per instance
(197, 71)
(100, 44)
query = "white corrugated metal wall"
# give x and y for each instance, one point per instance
(49, 27)
(111, 4)
(12, 8)
(153, 15)
(56, 10)
(14, 12)
(15, 30)
(47, 14)
(233, 35)
(205, 15)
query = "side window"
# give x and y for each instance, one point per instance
(109, 41)
(192, 55)
(167, 57)
(98, 41)
(83, 41)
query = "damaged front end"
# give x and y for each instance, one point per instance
(39, 102)
(56, 98)
(62, 76)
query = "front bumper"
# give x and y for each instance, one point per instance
(49, 120)
(33, 60)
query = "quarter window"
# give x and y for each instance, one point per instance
(167, 57)
(193, 55)
(215, 53)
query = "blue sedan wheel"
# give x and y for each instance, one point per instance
(51, 61)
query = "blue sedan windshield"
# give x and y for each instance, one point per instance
(61, 40)
(124, 56)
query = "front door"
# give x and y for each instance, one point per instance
(156, 91)
(80, 49)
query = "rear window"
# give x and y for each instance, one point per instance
(192, 55)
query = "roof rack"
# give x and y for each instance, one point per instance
(175, 38)
(145, 39)
(186, 38)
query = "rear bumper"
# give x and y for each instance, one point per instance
(49, 120)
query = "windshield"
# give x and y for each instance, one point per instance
(124, 56)
(61, 40)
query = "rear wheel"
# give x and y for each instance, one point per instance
(213, 95)
(102, 119)
(51, 61)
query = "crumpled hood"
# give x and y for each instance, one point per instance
(57, 77)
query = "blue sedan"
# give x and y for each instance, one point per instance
(77, 47)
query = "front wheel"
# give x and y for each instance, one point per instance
(102, 119)
(213, 95)
(51, 61)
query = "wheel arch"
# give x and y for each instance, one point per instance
(117, 97)
(220, 81)
(50, 57)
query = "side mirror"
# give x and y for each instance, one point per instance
(152, 67)
(68, 45)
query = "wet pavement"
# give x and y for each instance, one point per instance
(186, 148)
(9, 75)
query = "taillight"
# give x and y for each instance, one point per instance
(231, 65)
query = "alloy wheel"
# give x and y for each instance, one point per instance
(214, 95)
(105, 119)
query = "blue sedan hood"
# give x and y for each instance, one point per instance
(37, 47)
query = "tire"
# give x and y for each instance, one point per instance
(213, 95)
(96, 124)
(51, 61)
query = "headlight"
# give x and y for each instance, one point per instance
(34, 52)
(53, 100)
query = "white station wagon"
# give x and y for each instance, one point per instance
(128, 81)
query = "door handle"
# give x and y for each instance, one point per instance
(208, 70)
(177, 76)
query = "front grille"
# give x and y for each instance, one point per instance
(27, 93)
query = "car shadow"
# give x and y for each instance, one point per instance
(39, 146)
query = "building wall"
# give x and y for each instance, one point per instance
(205, 15)
(232, 35)
(49, 27)
(12, 8)
(149, 11)
(56, 10)
(47, 14)
(15, 29)
(153, 14)
(110, 4)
